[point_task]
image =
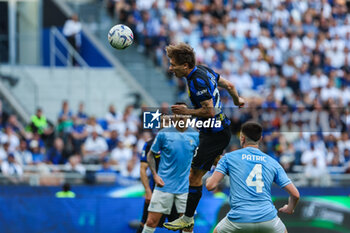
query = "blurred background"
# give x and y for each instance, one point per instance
(71, 105)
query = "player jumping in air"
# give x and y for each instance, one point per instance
(252, 173)
(203, 85)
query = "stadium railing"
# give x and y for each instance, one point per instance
(52, 175)
(55, 52)
(44, 174)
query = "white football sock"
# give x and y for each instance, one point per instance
(187, 219)
(147, 229)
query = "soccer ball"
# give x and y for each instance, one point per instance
(120, 36)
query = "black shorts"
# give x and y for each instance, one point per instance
(211, 145)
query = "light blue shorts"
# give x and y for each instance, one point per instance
(273, 226)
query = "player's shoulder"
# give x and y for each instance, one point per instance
(235, 154)
(200, 74)
(270, 161)
(165, 130)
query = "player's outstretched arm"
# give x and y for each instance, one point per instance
(145, 181)
(214, 180)
(294, 197)
(238, 101)
(152, 165)
(207, 110)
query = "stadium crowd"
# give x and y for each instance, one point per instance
(290, 60)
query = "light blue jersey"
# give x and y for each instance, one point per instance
(252, 173)
(176, 153)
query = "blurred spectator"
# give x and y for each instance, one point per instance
(147, 30)
(347, 156)
(314, 160)
(344, 142)
(10, 167)
(16, 126)
(121, 154)
(64, 119)
(4, 151)
(93, 126)
(78, 134)
(36, 137)
(55, 155)
(94, 149)
(72, 31)
(74, 165)
(38, 122)
(334, 159)
(81, 115)
(23, 155)
(129, 138)
(38, 156)
(112, 117)
(132, 168)
(11, 137)
(113, 140)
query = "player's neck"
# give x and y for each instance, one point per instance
(189, 71)
(181, 129)
(251, 145)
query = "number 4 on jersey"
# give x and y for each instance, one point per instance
(258, 183)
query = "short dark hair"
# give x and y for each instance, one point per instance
(252, 130)
(181, 53)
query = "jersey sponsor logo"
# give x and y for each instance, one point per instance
(201, 92)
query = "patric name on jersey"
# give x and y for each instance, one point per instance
(253, 157)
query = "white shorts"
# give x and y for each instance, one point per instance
(162, 202)
(273, 226)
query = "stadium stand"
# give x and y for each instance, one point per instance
(284, 72)
(290, 59)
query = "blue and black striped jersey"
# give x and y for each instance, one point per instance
(203, 85)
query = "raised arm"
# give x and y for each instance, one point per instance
(213, 181)
(207, 110)
(224, 83)
(294, 197)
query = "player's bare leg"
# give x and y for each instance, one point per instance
(152, 222)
